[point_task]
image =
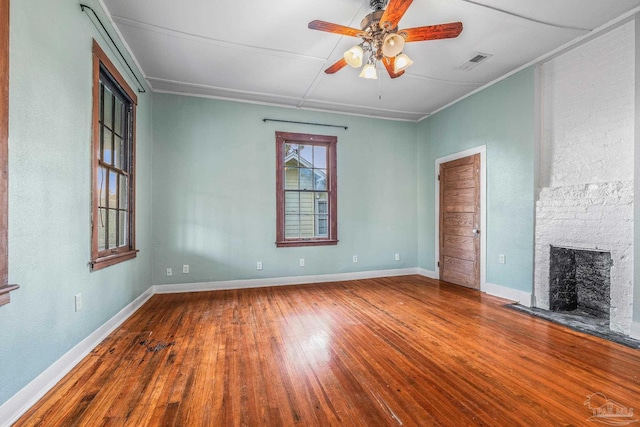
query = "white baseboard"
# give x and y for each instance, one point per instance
(20, 402)
(635, 330)
(521, 297)
(427, 273)
(279, 281)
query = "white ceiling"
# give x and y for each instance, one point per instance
(257, 51)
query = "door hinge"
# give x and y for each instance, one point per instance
(438, 177)
(438, 263)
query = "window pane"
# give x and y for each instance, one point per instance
(307, 228)
(112, 218)
(291, 178)
(102, 229)
(322, 221)
(320, 156)
(290, 150)
(107, 146)
(117, 127)
(291, 226)
(306, 203)
(322, 203)
(102, 187)
(108, 108)
(306, 156)
(101, 103)
(113, 189)
(122, 235)
(320, 178)
(117, 152)
(291, 202)
(124, 192)
(306, 179)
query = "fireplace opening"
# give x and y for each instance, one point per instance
(580, 282)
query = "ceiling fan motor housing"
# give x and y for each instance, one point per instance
(377, 4)
(371, 20)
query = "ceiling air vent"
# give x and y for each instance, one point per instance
(475, 61)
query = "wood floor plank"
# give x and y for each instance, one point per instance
(399, 351)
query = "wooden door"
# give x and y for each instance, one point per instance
(460, 221)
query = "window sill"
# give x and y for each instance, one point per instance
(5, 298)
(109, 260)
(310, 242)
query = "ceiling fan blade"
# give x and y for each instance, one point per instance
(389, 64)
(394, 12)
(334, 28)
(336, 67)
(433, 32)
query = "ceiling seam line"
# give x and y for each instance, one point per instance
(316, 80)
(537, 21)
(183, 34)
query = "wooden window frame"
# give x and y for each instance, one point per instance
(332, 188)
(5, 288)
(106, 258)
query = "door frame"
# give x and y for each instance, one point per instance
(482, 150)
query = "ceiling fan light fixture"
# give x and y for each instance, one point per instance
(369, 72)
(402, 62)
(392, 44)
(354, 56)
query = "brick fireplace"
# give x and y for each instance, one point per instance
(595, 218)
(586, 188)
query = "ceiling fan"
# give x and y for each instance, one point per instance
(381, 38)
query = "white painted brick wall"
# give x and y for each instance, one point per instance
(589, 112)
(587, 163)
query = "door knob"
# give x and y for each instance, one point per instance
(476, 231)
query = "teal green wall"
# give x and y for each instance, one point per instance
(50, 194)
(214, 192)
(636, 229)
(500, 117)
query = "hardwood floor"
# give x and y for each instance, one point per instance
(393, 351)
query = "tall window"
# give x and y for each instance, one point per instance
(113, 213)
(306, 190)
(5, 288)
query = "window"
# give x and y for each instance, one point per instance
(113, 207)
(5, 288)
(306, 184)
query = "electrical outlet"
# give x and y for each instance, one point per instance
(259, 265)
(397, 257)
(78, 302)
(169, 272)
(301, 262)
(185, 269)
(502, 259)
(355, 258)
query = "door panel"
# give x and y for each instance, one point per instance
(459, 217)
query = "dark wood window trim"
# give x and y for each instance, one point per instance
(332, 188)
(105, 258)
(4, 152)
